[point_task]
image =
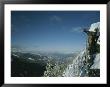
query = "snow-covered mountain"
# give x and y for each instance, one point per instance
(77, 68)
(82, 65)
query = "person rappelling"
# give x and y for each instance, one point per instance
(91, 48)
(92, 40)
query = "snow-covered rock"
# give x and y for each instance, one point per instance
(77, 68)
(82, 64)
(96, 64)
(94, 26)
(98, 41)
(80, 69)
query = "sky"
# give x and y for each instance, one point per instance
(51, 31)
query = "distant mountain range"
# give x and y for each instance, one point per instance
(27, 65)
(33, 65)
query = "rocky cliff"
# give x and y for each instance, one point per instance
(87, 63)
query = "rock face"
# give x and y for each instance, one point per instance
(87, 63)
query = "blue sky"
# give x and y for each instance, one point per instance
(51, 31)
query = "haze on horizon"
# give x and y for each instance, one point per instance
(51, 31)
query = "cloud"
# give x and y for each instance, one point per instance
(77, 29)
(55, 18)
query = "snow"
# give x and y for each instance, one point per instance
(77, 67)
(98, 41)
(15, 55)
(94, 26)
(30, 59)
(96, 64)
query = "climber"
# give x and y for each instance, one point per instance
(92, 40)
(92, 44)
(97, 34)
